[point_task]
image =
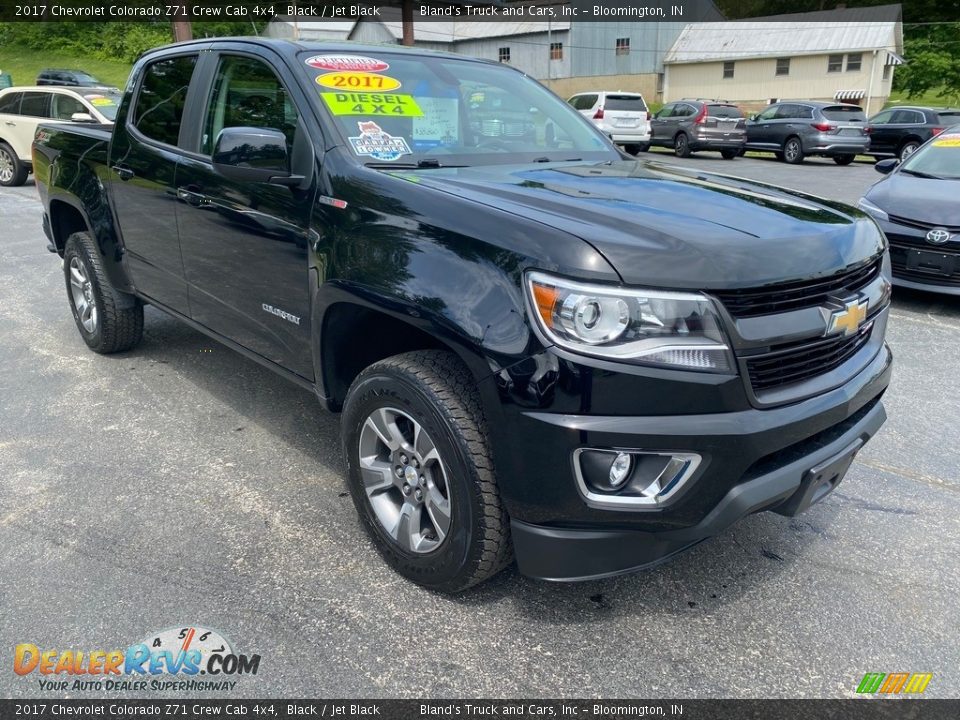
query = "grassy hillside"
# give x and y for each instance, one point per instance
(24, 64)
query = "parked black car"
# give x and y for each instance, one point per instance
(67, 78)
(795, 129)
(691, 125)
(916, 205)
(539, 346)
(900, 131)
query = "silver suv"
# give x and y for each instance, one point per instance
(794, 129)
(622, 116)
(691, 125)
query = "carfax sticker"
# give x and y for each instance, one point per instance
(374, 142)
(350, 80)
(347, 63)
(372, 104)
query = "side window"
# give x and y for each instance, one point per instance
(64, 106)
(247, 93)
(907, 117)
(10, 103)
(882, 118)
(163, 93)
(803, 111)
(770, 113)
(35, 104)
(786, 111)
(589, 101)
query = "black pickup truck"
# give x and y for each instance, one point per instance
(541, 347)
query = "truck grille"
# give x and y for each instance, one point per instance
(751, 302)
(796, 362)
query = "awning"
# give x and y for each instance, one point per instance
(849, 94)
(894, 59)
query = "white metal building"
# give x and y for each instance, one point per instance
(844, 55)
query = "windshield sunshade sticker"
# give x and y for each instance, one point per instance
(347, 63)
(372, 104)
(374, 142)
(358, 81)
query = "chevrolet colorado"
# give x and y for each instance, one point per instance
(541, 348)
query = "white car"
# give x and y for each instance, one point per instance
(622, 116)
(22, 109)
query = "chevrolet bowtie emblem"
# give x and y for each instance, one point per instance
(849, 319)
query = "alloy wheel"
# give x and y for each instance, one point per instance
(792, 151)
(405, 480)
(6, 166)
(81, 289)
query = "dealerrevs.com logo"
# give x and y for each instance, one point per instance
(168, 660)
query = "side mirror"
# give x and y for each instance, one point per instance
(884, 167)
(82, 117)
(754, 116)
(249, 154)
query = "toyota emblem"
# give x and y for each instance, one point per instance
(938, 236)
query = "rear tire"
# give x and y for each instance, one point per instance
(793, 151)
(843, 159)
(13, 173)
(681, 145)
(419, 414)
(109, 321)
(632, 149)
(908, 149)
(729, 154)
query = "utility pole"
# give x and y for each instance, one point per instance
(182, 29)
(406, 15)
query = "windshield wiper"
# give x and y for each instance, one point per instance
(427, 163)
(917, 173)
(546, 160)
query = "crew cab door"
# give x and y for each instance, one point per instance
(244, 243)
(144, 155)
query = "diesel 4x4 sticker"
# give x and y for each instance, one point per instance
(358, 63)
(372, 104)
(374, 142)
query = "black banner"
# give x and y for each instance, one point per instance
(854, 709)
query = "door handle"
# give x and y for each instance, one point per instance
(190, 197)
(123, 171)
(10, 124)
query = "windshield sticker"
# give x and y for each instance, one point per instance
(374, 142)
(439, 124)
(372, 104)
(357, 81)
(99, 101)
(947, 141)
(347, 63)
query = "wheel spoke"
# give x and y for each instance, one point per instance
(438, 508)
(384, 424)
(407, 530)
(93, 317)
(85, 313)
(377, 475)
(76, 277)
(422, 444)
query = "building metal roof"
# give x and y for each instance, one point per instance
(815, 33)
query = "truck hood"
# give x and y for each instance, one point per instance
(666, 226)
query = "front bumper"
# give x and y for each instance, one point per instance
(753, 460)
(906, 241)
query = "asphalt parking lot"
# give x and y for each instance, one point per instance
(181, 484)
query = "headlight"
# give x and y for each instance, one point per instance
(671, 329)
(871, 209)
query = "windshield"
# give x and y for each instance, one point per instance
(404, 109)
(940, 158)
(106, 103)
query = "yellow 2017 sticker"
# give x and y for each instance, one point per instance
(358, 81)
(373, 104)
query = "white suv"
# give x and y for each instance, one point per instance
(22, 109)
(622, 116)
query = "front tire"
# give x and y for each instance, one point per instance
(109, 321)
(13, 173)
(793, 151)
(681, 146)
(420, 471)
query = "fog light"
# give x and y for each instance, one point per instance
(620, 470)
